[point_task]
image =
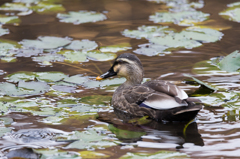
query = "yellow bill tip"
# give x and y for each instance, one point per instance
(99, 78)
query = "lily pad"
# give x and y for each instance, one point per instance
(89, 139)
(20, 76)
(46, 42)
(116, 48)
(151, 50)
(27, 52)
(96, 100)
(8, 59)
(164, 39)
(177, 17)
(230, 63)
(147, 32)
(3, 31)
(6, 120)
(84, 45)
(159, 154)
(76, 79)
(203, 83)
(232, 12)
(81, 17)
(50, 76)
(99, 56)
(46, 59)
(5, 48)
(23, 88)
(56, 154)
(9, 19)
(43, 7)
(14, 7)
(73, 56)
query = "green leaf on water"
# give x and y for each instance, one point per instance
(20, 76)
(89, 139)
(81, 17)
(4, 49)
(73, 56)
(3, 31)
(232, 12)
(23, 88)
(230, 63)
(14, 7)
(50, 76)
(99, 56)
(56, 154)
(46, 42)
(9, 19)
(76, 79)
(125, 134)
(8, 59)
(159, 154)
(43, 7)
(84, 45)
(203, 83)
(116, 48)
(6, 120)
(45, 59)
(178, 17)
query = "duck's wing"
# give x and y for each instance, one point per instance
(147, 97)
(166, 88)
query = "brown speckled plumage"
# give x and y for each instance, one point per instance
(140, 99)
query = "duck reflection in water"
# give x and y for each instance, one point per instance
(130, 129)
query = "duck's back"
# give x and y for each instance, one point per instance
(158, 99)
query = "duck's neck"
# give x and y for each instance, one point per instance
(135, 78)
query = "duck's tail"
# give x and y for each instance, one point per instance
(183, 113)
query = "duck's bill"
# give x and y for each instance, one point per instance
(106, 75)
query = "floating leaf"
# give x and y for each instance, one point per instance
(23, 89)
(27, 52)
(26, 1)
(56, 154)
(159, 154)
(14, 7)
(99, 56)
(43, 7)
(81, 17)
(21, 76)
(92, 155)
(46, 42)
(45, 59)
(8, 59)
(147, 32)
(177, 17)
(202, 83)
(3, 31)
(232, 12)
(73, 56)
(151, 50)
(6, 120)
(4, 49)
(84, 45)
(116, 48)
(76, 79)
(9, 19)
(230, 63)
(89, 139)
(50, 76)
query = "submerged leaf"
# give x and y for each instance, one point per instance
(81, 17)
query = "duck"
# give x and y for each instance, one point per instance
(158, 99)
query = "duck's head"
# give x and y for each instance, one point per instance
(126, 65)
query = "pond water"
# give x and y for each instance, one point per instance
(52, 107)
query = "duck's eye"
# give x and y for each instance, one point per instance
(120, 62)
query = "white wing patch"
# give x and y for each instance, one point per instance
(162, 101)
